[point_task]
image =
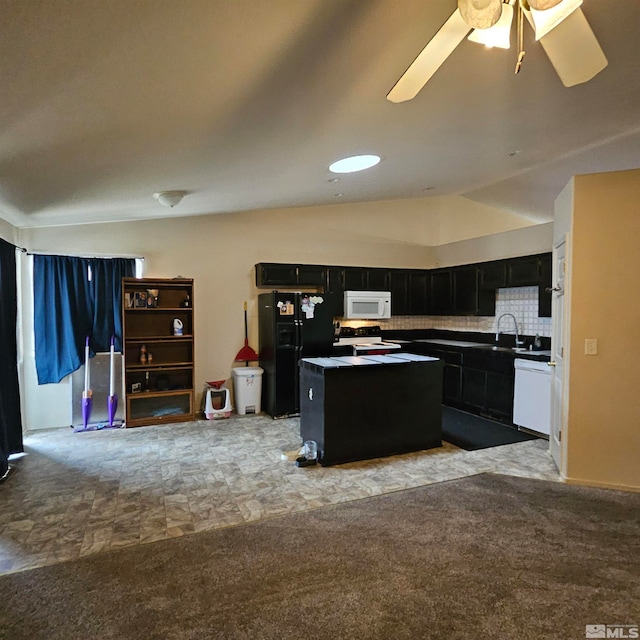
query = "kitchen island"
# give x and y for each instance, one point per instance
(357, 408)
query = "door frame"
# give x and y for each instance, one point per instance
(559, 352)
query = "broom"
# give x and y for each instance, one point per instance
(246, 353)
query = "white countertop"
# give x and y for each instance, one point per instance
(358, 361)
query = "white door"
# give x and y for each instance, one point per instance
(557, 353)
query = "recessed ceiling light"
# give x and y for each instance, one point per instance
(333, 180)
(354, 163)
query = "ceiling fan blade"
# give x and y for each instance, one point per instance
(573, 49)
(438, 49)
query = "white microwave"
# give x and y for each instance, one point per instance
(367, 305)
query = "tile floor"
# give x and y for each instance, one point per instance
(74, 494)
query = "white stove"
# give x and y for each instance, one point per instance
(365, 340)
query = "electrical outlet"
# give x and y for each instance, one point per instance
(591, 346)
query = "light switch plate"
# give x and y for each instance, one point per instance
(591, 346)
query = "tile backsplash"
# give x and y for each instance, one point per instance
(522, 302)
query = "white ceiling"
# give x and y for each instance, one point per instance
(244, 104)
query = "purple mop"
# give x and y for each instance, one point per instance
(87, 398)
(112, 401)
(87, 393)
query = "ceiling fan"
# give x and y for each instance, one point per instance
(559, 25)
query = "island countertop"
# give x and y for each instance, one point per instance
(333, 362)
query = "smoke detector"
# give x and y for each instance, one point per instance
(169, 198)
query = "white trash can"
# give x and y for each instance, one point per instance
(247, 384)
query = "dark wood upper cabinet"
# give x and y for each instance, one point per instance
(418, 293)
(544, 287)
(378, 279)
(441, 292)
(465, 290)
(355, 279)
(289, 275)
(366, 279)
(276, 274)
(311, 275)
(409, 292)
(492, 275)
(334, 288)
(334, 280)
(399, 287)
(486, 302)
(522, 272)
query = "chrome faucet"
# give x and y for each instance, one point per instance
(515, 324)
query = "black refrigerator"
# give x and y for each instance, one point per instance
(291, 326)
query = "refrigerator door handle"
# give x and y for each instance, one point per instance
(298, 357)
(299, 343)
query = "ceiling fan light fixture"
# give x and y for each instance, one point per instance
(573, 49)
(480, 14)
(354, 163)
(549, 19)
(169, 198)
(497, 36)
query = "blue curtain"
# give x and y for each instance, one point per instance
(68, 307)
(107, 300)
(10, 416)
(62, 313)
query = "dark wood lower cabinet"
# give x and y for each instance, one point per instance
(487, 384)
(474, 388)
(452, 383)
(488, 394)
(499, 399)
(452, 374)
(475, 382)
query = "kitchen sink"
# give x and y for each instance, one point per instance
(482, 345)
(495, 347)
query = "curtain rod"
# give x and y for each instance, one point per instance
(76, 255)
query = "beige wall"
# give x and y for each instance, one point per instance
(220, 251)
(563, 214)
(603, 423)
(508, 244)
(8, 232)
(470, 220)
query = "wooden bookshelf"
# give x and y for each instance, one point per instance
(159, 362)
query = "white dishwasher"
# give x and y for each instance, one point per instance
(532, 396)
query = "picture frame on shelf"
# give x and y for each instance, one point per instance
(140, 299)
